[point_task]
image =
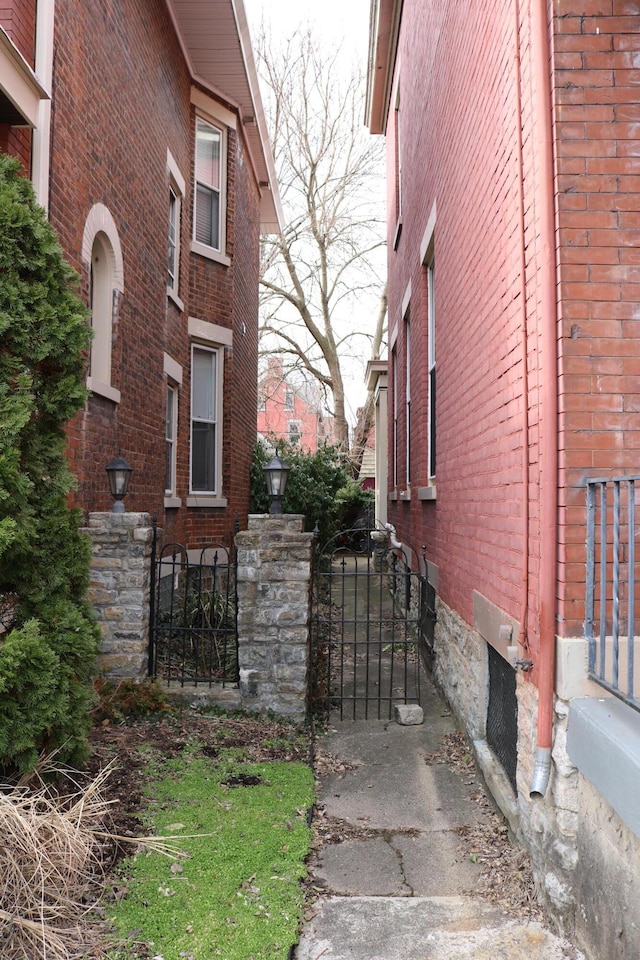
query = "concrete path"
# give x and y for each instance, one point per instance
(398, 886)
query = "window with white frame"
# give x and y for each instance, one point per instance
(288, 398)
(431, 363)
(205, 420)
(176, 193)
(171, 430)
(208, 186)
(174, 233)
(102, 253)
(407, 359)
(295, 434)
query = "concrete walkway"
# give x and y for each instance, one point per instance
(399, 887)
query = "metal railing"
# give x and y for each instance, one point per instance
(193, 635)
(612, 584)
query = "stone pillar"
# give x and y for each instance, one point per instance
(274, 579)
(119, 590)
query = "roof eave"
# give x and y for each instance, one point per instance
(238, 64)
(384, 29)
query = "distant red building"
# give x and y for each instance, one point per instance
(291, 412)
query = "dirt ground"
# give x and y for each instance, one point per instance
(125, 745)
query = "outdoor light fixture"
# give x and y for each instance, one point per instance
(119, 472)
(275, 474)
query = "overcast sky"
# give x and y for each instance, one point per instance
(346, 20)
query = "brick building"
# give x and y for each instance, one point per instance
(291, 411)
(142, 129)
(513, 232)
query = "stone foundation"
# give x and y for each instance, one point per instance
(586, 860)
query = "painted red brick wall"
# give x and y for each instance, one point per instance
(458, 135)
(457, 67)
(110, 147)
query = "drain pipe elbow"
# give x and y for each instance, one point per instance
(393, 540)
(541, 773)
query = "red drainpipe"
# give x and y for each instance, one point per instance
(545, 667)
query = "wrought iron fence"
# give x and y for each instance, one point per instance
(612, 586)
(193, 624)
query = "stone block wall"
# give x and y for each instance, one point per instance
(274, 578)
(119, 589)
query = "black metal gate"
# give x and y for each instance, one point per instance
(372, 625)
(193, 636)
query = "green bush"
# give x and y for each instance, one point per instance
(48, 655)
(319, 487)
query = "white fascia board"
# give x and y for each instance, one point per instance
(18, 81)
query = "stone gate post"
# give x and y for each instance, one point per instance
(119, 590)
(274, 580)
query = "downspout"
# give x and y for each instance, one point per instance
(524, 609)
(549, 397)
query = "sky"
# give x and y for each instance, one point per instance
(343, 22)
(346, 20)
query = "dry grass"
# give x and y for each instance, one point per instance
(51, 870)
(49, 865)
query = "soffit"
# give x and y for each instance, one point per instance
(217, 45)
(384, 28)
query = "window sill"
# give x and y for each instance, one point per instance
(103, 390)
(427, 493)
(173, 296)
(172, 503)
(393, 495)
(206, 500)
(204, 251)
(603, 741)
(405, 494)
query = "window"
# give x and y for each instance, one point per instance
(170, 440)
(102, 254)
(288, 398)
(207, 227)
(174, 231)
(407, 358)
(176, 193)
(431, 362)
(397, 167)
(204, 421)
(294, 433)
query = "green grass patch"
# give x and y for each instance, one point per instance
(236, 892)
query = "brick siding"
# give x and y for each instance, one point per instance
(121, 98)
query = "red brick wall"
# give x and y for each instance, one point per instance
(110, 147)
(18, 18)
(16, 141)
(458, 134)
(597, 111)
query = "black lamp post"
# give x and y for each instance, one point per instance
(275, 474)
(119, 472)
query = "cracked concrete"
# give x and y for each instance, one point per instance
(398, 887)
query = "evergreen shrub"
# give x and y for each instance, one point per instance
(49, 648)
(319, 486)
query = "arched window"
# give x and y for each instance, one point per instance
(102, 252)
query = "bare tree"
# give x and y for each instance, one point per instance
(325, 269)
